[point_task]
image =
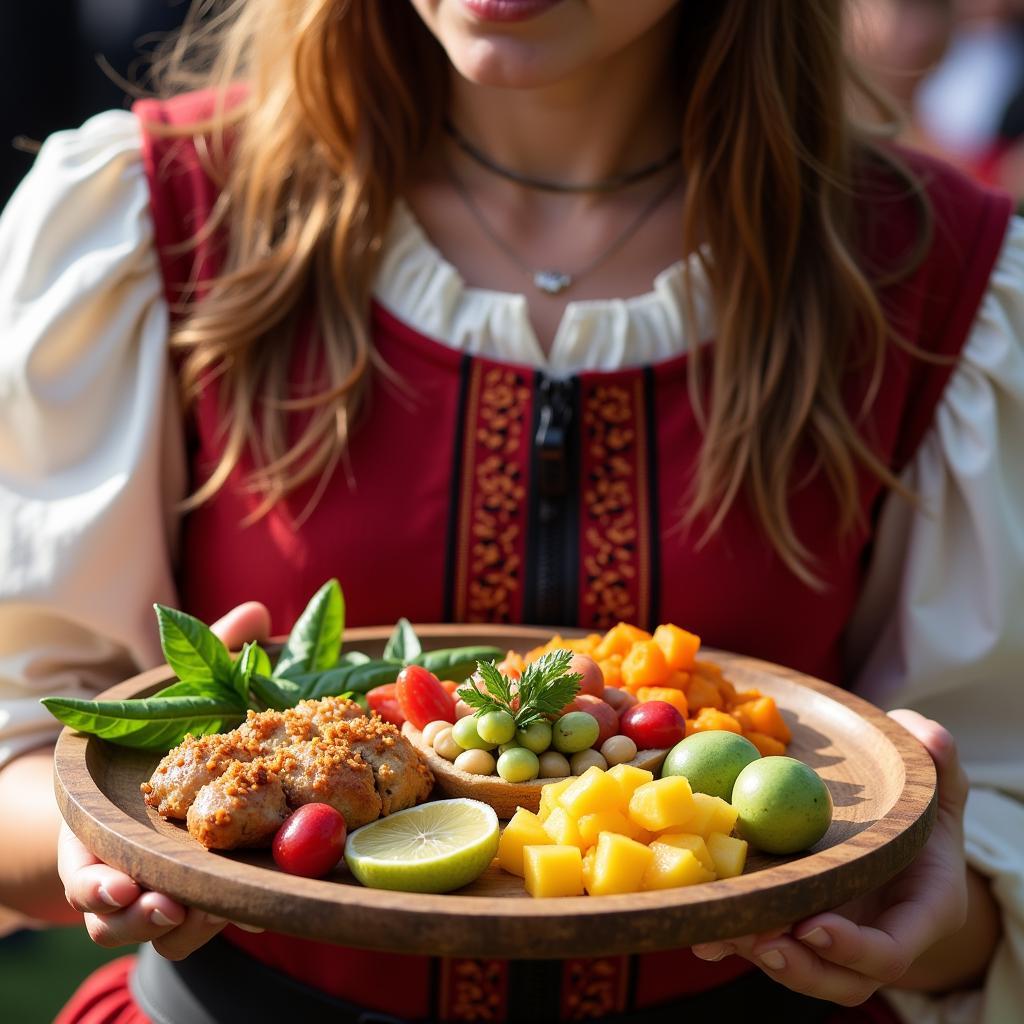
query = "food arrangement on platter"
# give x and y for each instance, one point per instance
(307, 757)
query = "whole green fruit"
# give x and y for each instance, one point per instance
(465, 733)
(574, 732)
(710, 761)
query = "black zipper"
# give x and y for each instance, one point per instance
(552, 569)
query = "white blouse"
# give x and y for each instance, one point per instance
(92, 465)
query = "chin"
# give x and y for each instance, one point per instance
(510, 63)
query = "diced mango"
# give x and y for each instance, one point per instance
(645, 665)
(524, 829)
(549, 795)
(592, 825)
(711, 719)
(709, 669)
(619, 865)
(728, 853)
(766, 745)
(612, 672)
(660, 804)
(671, 866)
(689, 841)
(668, 694)
(702, 693)
(619, 639)
(561, 826)
(710, 814)
(762, 715)
(553, 870)
(629, 778)
(593, 791)
(679, 647)
(588, 866)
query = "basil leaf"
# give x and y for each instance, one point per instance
(373, 673)
(403, 644)
(279, 694)
(241, 674)
(262, 665)
(192, 650)
(148, 723)
(353, 658)
(315, 640)
(457, 663)
(331, 683)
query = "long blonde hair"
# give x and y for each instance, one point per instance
(343, 96)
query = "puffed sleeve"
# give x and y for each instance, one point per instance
(91, 451)
(940, 625)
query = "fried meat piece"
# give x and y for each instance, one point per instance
(400, 773)
(244, 807)
(190, 766)
(326, 771)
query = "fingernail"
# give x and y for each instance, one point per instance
(772, 959)
(160, 919)
(714, 952)
(214, 921)
(107, 898)
(817, 937)
(248, 928)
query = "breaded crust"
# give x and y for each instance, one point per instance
(244, 807)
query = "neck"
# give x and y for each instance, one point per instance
(549, 131)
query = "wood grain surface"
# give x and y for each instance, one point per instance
(881, 780)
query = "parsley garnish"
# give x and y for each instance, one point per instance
(544, 688)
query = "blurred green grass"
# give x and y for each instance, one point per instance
(39, 970)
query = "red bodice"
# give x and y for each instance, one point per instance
(481, 491)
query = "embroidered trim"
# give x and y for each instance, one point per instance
(473, 990)
(493, 507)
(594, 988)
(615, 562)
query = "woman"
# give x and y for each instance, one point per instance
(834, 492)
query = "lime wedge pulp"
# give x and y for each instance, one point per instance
(436, 847)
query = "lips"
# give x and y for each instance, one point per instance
(508, 10)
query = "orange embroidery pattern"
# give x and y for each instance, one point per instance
(492, 517)
(615, 556)
(594, 988)
(474, 990)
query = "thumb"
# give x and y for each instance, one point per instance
(246, 623)
(939, 742)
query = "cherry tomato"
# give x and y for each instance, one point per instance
(311, 841)
(607, 717)
(592, 680)
(422, 698)
(384, 700)
(653, 724)
(450, 686)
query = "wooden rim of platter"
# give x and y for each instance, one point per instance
(494, 916)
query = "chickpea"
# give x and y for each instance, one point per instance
(587, 759)
(431, 729)
(445, 745)
(618, 749)
(476, 762)
(554, 765)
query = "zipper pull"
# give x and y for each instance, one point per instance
(552, 438)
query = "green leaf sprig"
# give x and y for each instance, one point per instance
(544, 688)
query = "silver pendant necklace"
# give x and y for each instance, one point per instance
(549, 280)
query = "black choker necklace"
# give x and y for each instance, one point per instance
(542, 184)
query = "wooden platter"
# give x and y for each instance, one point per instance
(881, 780)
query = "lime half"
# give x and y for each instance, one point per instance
(436, 847)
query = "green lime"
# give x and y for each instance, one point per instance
(783, 805)
(436, 847)
(710, 761)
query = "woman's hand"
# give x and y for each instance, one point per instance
(845, 956)
(117, 910)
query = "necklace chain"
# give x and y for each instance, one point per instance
(612, 184)
(551, 281)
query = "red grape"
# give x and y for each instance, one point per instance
(653, 724)
(311, 841)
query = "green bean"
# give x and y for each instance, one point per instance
(457, 663)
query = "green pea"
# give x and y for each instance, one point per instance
(575, 731)
(496, 727)
(518, 765)
(466, 735)
(536, 737)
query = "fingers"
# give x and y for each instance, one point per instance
(870, 951)
(248, 622)
(196, 930)
(90, 886)
(150, 917)
(939, 742)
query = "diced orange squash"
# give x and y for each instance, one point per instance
(709, 669)
(661, 804)
(592, 825)
(619, 639)
(677, 680)
(768, 745)
(561, 827)
(524, 829)
(727, 690)
(689, 841)
(762, 715)
(709, 814)
(702, 693)
(629, 779)
(679, 647)
(553, 870)
(728, 853)
(645, 665)
(549, 795)
(674, 697)
(593, 791)
(709, 719)
(619, 865)
(671, 867)
(745, 696)
(612, 672)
